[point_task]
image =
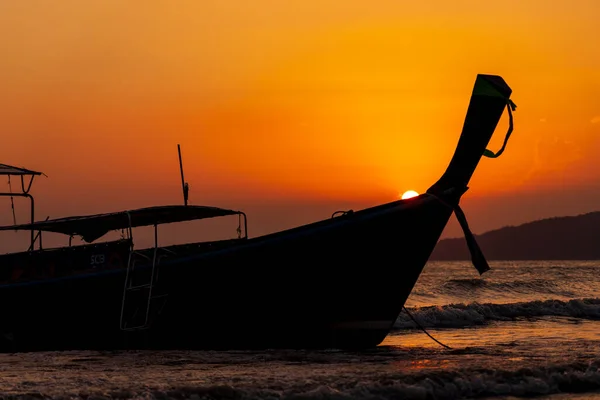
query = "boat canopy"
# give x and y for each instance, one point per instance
(10, 170)
(93, 227)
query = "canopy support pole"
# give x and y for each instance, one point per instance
(184, 186)
(25, 194)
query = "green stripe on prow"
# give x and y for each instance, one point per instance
(484, 88)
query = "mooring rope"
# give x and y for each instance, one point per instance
(423, 329)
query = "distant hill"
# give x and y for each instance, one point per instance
(560, 238)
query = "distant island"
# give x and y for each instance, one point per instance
(559, 238)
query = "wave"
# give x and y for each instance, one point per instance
(464, 315)
(576, 377)
(516, 286)
(527, 382)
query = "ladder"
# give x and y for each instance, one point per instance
(136, 305)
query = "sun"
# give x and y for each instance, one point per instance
(409, 194)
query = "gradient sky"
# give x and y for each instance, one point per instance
(290, 110)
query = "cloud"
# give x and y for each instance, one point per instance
(595, 120)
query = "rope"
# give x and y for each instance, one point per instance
(511, 107)
(427, 333)
(477, 258)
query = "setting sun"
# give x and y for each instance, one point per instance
(408, 194)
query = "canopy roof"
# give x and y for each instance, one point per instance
(10, 170)
(92, 227)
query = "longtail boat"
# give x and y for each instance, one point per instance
(337, 283)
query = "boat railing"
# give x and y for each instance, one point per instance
(22, 173)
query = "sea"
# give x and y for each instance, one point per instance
(525, 329)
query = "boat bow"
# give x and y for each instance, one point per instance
(491, 95)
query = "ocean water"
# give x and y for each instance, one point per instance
(524, 329)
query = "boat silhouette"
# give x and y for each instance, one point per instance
(336, 283)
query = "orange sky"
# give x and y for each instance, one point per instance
(296, 105)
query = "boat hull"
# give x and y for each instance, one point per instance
(338, 283)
